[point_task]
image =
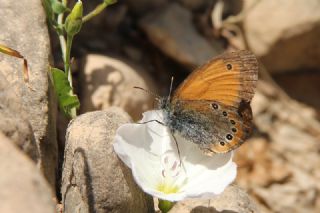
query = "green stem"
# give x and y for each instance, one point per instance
(65, 2)
(73, 111)
(97, 10)
(61, 37)
(66, 51)
(62, 40)
(165, 205)
(67, 59)
(63, 46)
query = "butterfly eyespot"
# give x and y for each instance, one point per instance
(232, 122)
(224, 113)
(229, 137)
(215, 106)
(222, 143)
(234, 130)
(229, 66)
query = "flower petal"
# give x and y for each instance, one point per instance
(151, 152)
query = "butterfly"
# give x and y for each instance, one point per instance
(211, 107)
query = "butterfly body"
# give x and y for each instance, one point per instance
(189, 123)
(211, 107)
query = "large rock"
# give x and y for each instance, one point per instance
(195, 5)
(93, 178)
(233, 199)
(302, 86)
(23, 188)
(23, 27)
(17, 128)
(143, 6)
(285, 35)
(173, 32)
(280, 165)
(109, 81)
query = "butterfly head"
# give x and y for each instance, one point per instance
(164, 103)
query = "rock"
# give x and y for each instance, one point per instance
(115, 16)
(296, 87)
(20, 133)
(93, 178)
(16, 128)
(173, 32)
(195, 5)
(109, 82)
(27, 32)
(288, 38)
(143, 6)
(258, 167)
(105, 24)
(233, 199)
(23, 188)
(279, 166)
(134, 53)
(287, 193)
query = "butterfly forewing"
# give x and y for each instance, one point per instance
(228, 79)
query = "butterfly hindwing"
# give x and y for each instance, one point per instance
(215, 127)
(234, 128)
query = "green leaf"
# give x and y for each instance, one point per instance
(49, 12)
(67, 100)
(48, 9)
(58, 7)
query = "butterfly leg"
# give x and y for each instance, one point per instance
(159, 122)
(178, 150)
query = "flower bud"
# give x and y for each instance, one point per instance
(74, 20)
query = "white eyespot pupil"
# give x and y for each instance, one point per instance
(229, 137)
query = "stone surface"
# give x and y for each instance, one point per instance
(17, 128)
(302, 86)
(94, 179)
(109, 81)
(141, 7)
(288, 39)
(279, 166)
(23, 188)
(232, 200)
(27, 33)
(172, 31)
(195, 5)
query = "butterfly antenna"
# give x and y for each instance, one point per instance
(171, 84)
(149, 92)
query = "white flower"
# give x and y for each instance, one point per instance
(151, 153)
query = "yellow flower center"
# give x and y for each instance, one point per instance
(167, 188)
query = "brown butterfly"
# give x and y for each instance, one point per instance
(211, 107)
